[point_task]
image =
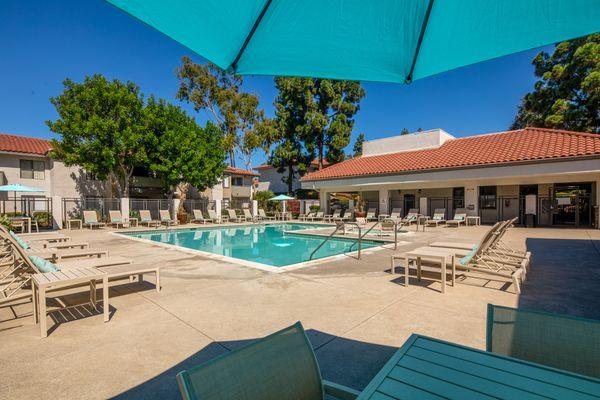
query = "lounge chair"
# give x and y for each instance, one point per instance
(17, 275)
(439, 217)
(146, 219)
(412, 216)
(319, 216)
(460, 217)
(233, 217)
(249, 217)
(116, 219)
(280, 366)
(395, 214)
(219, 219)
(43, 245)
(560, 341)
(199, 217)
(165, 218)
(263, 215)
(372, 214)
(50, 237)
(305, 217)
(90, 219)
(492, 240)
(333, 217)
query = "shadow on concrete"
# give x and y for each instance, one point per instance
(349, 362)
(564, 277)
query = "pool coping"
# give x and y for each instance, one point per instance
(239, 261)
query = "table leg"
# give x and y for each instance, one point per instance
(453, 270)
(406, 265)
(93, 296)
(443, 266)
(105, 302)
(34, 301)
(392, 268)
(29, 225)
(419, 269)
(42, 311)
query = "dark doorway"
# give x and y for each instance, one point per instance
(409, 202)
(458, 198)
(573, 207)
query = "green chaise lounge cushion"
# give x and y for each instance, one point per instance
(19, 241)
(43, 265)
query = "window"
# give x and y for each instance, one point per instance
(458, 197)
(487, 197)
(237, 181)
(32, 169)
(226, 181)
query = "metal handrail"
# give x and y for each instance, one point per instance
(359, 239)
(337, 227)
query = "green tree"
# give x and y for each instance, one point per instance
(101, 124)
(183, 153)
(404, 131)
(358, 144)
(567, 94)
(211, 89)
(326, 108)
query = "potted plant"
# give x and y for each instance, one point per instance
(359, 209)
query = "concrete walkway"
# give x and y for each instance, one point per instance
(356, 314)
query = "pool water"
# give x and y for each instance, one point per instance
(265, 244)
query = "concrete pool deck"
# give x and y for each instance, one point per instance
(356, 313)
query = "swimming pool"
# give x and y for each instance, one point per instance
(269, 244)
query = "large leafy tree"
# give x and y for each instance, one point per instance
(211, 89)
(567, 94)
(183, 153)
(102, 129)
(327, 109)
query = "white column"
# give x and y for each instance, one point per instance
(174, 207)
(423, 209)
(57, 212)
(384, 201)
(351, 205)
(255, 207)
(323, 201)
(218, 207)
(125, 207)
(472, 199)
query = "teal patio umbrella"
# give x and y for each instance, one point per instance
(282, 197)
(17, 187)
(372, 40)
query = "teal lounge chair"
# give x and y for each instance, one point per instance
(280, 366)
(559, 341)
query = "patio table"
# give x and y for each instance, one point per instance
(428, 368)
(25, 221)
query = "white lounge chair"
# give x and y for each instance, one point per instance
(319, 216)
(165, 218)
(199, 217)
(90, 219)
(263, 215)
(460, 217)
(219, 219)
(249, 217)
(233, 217)
(116, 219)
(371, 214)
(439, 217)
(412, 216)
(146, 219)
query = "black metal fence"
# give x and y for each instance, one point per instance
(38, 208)
(198, 204)
(73, 207)
(152, 205)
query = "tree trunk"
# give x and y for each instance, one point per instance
(320, 154)
(290, 178)
(231, 158)
(182, 188)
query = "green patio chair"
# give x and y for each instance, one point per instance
(560, 341)
(280, 366)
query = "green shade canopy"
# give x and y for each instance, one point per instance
(378, 40)
(281, 197)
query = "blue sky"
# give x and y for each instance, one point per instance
(43, 42)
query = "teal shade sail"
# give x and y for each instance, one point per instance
(281, 197)
(380, 40)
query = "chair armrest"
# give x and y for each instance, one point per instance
(340, 391)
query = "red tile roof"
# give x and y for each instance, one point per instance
(496, 148)
(24, 144)
(238, 171)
